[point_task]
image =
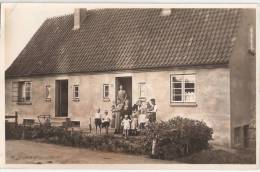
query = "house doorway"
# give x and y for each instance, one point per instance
(126, 82)
(246, 137)
(61, 98)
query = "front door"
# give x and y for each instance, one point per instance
(61, 100)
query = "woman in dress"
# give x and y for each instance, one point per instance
(121, 95)
(113, 121)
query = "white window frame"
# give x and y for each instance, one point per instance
(48, 92)
(26, 91)
(76, 98)
(142, 90)
(182, 89)
(23, 92)
(104, 92)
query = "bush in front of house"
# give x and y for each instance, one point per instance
(177, 137)
(68, 137)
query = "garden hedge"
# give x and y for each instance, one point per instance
(174, 138)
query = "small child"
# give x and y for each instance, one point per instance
(98, 120)
(106, 121)
(126, 123)
(134, 123)
(142, 119)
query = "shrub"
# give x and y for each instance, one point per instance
(62, 136)
(177, 137)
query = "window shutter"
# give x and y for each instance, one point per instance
(15, 91)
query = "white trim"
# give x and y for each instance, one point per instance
(74, 91)
(124, 74)
(174, 102)
(105, 98)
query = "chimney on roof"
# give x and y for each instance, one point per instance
(80, 15)
(166, 12)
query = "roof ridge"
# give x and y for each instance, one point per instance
(58, 17)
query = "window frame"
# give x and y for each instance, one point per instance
(22, 92)
(76, 98)
(106, 98)
(182, 88)
(48, 97)
(140, 84)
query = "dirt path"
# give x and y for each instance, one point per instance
(29, 152)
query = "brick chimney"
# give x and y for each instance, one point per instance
(80, 15)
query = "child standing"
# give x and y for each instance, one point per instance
(134, 123)
(142, 119)
(126, 123)
(98, 120)
(106, 121)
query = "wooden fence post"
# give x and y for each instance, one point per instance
(16, 118)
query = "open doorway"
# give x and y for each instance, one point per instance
(246, 137)
(61, 98)
(126, 82)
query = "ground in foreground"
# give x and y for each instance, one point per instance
(30, 152)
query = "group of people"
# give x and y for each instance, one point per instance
(125, 118)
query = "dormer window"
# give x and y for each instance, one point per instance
(166, 12)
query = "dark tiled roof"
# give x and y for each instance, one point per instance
(123, 39)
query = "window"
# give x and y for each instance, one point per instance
(183, 88)
(142, 90)
(47, 93)
(106, 92)
(22, 92)
(76, 92)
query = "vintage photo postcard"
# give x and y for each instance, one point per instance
(143, 86)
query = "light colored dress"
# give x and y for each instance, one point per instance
(126, 123)
(134, 123)
(121, 96)
(117, 120)
(142, 118)
(113, 117)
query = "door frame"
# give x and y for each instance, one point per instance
(58, 93)
(117, 78)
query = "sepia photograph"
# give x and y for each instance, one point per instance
(104, 84)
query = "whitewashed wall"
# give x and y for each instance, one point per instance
(212, 94)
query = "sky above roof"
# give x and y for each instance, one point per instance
(23, 20)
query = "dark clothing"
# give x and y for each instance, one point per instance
(152, 116)
(105, 124)
(135, 107)
(141, 126)
(97, 122)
